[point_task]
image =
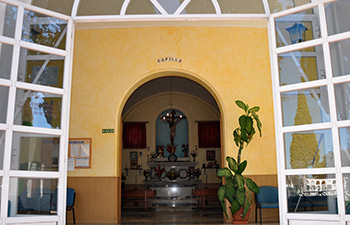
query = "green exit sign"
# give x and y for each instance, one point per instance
(105, 131)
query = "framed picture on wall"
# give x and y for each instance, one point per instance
(134, 160)
(211, 155)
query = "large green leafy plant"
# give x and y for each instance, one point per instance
(236, 188)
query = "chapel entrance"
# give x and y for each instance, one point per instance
(171, 149)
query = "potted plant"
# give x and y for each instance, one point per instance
(236, 188)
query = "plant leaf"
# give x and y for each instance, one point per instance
(240, 196)
(232, 163)
(241, 105)
(254, 109)
(252, 185)
(230, 183)
(249, 195)
(246, 208)
(239, 181)
(258, 123)
(242, 167)
(221, 197)
(243, 121)
(250, 136)
(249, 125)
(229, 194)
(236, 137)
(235, 207)
(224, 172)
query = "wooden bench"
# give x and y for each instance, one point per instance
(130, 195)
(202, 193)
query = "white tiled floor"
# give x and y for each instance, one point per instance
(174, 218)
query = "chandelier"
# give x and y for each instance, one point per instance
(172, 118)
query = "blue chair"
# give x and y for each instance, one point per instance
(70, 201)
(266, 199)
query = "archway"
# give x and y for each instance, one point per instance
(144, 166)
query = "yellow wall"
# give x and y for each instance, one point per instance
(109, 64)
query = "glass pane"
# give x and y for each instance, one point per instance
(241, 6)
(170, 6)
(141, 7)
(40, 68)
(346, 178)
(2, 148)
(4, 94)
(8, 15)
(279, 5)
(199, 7)
(340, 55)
(309, 149)
(337, 14)
(35, 152)
(298, 67)
(344, 138)
(316, 193)
(38, 109)
(64, 7)
(305, 106)
(101, 7)
(342, 99)
(296, 28)
(5, 60)
(44, 30)
(33, 196)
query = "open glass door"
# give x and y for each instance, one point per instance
(35, 64)
(311, 76)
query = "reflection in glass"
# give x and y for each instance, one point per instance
(2, 148)
(44, 30)
(317, 193)
(200, 7)
(170, 6)
(33, 196)
(295, 67)
(38, 109)
(101, 7)
(279, 5)
(346, 180)
(305, 106)
(309, 149)
(306, 19)
(40, 68)
(8, 15)
(337, 15)
(342, 99)
(241, 6)
(141, 7)
(35, 152)
(64, 7)
(344, 138)
(4, 93)
(340, 55)
(5, 60)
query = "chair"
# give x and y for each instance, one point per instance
(70, 201)
(266, 199)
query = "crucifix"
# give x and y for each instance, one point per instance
(172, 119)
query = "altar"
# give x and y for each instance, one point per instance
(173, 182)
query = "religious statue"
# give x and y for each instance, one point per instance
(172, 119)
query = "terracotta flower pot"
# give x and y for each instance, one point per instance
(237, 217)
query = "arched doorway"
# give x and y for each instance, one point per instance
(148, 167)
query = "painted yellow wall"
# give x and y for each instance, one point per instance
(109, 64)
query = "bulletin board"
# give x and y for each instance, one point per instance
(79, 151)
